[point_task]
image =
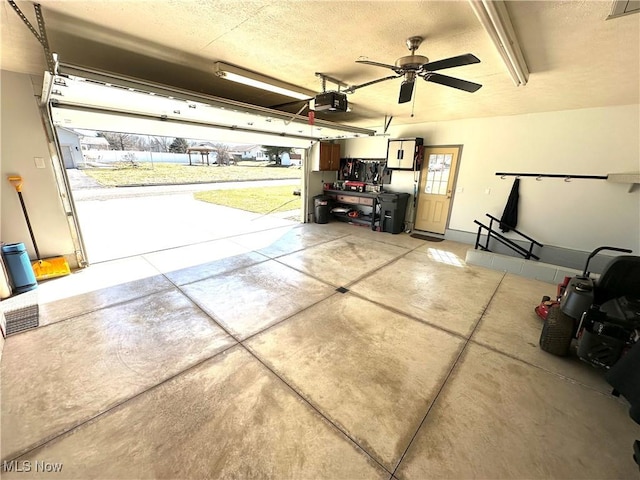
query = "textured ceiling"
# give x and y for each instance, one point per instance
(576, 58)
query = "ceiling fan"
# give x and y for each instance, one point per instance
(412, 66)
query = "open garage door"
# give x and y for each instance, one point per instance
(87, 99)
(102, 101)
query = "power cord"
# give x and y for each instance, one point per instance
(273, 210)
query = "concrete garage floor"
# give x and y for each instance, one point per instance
(118, 222)
(238, 358)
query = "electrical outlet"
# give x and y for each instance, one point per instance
(39, 161)
(460, 190)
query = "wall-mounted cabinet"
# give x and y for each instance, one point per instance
(402, 153)
(326, 157)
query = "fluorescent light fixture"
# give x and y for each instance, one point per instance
(624, 7)
(495, 19)
(253, 79)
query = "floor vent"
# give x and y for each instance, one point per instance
(19, 313)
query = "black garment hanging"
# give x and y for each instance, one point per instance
(509, 217)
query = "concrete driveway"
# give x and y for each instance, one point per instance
(124, 221)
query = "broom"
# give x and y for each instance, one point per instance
(47, 268)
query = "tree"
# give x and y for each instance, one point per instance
(141, 143)
(274, 153)
(179, 145)
(161, 144)
(119, 141)
(223, 156)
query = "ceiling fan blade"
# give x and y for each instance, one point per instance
(466, 59)
(452, 82)
(353, 88)
(378, 64)
(406, 91)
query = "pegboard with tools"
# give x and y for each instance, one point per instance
(373, 172)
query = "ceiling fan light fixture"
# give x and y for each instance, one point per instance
(494, 17)
(256, 80)
(412, 62)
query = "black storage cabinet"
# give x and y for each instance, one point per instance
(321, 207)
(393, 207)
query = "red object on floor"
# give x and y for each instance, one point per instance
(542, 310)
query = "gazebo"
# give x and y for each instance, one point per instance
(204, 153)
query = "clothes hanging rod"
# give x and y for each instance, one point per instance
(540, 176)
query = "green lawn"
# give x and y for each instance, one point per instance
(259, 200)
(167, 173)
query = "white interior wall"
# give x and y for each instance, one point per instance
(22, 140)
(581, 214)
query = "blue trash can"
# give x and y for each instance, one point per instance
(19, 266)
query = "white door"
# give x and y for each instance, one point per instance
(67, 156)
(436, 188)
